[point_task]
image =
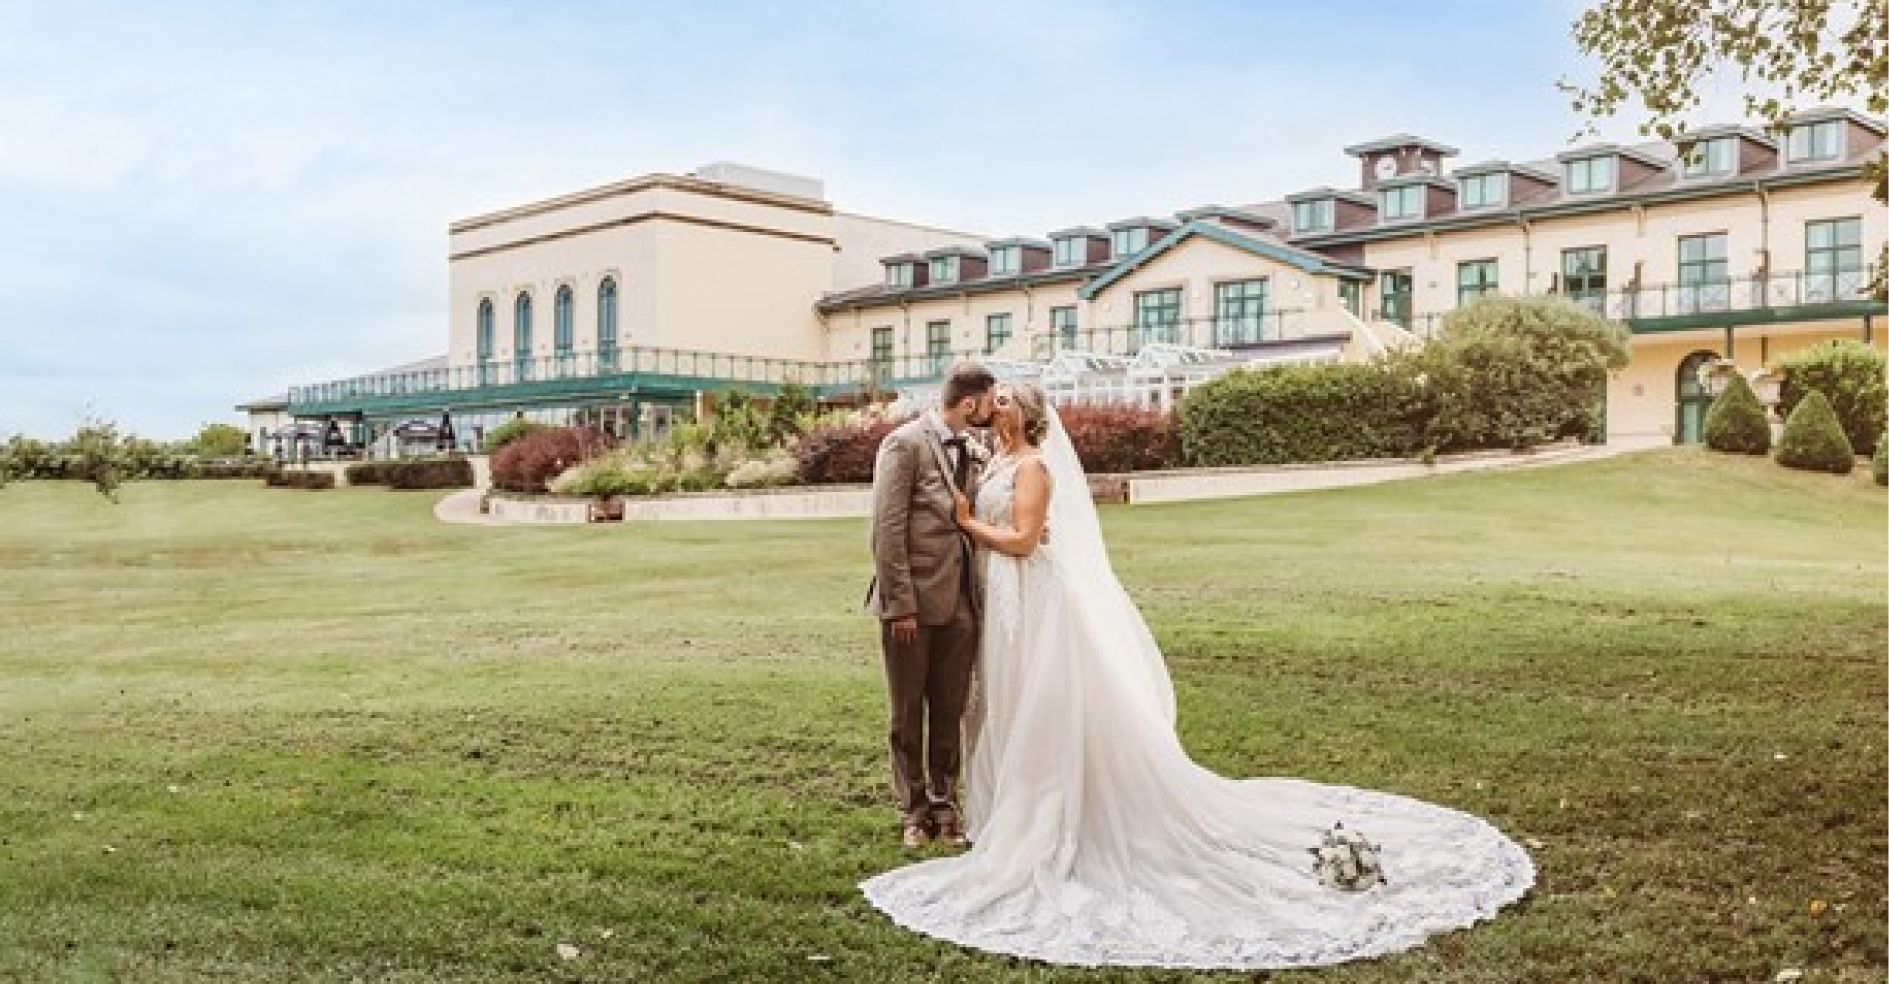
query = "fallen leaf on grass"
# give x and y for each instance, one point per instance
(569, 952)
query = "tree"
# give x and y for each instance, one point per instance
(1736, 421)
(793, 405)
(1813, 440)
(99, 454)
(1513, 372)
(1787, 54)
(220, 441)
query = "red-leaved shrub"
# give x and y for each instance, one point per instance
(840, 454)
(1122, 439)
(528, 463)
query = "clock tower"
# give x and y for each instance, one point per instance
(1396, 156)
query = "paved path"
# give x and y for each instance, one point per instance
(463, 506)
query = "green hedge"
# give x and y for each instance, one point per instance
(430, 473)
(1736, 421)
(1813, 439)
(1849, 375)
(289, 479)
(1301, 413)
(424, 473)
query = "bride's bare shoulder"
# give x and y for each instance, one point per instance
(1034, 463)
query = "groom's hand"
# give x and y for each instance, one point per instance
(905, 630)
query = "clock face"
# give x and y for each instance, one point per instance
(1386, 166)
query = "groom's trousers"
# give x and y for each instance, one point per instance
(929, 680)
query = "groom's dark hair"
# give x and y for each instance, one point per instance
(967, 380)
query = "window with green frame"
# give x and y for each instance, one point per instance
(1312, 216)
(1709, 157)
(487, 341)
(1239, 312)
(1589, 175)
(1816, 141)
(1393, 293)
(1003, 260)
(882, 352)
(944, 270)
(1704, 274)
(1833, 260)
(1351, 295)
(1474, 279)
(1484, 190)
(996, 332)
(521, 338)
(1158, 315)
(1401, 203)
(938, 345)
(1062, 326)
(1072, 251)
(1127, 242)
(563, 329)
(607, 324)
(1584, 276)
(898, 275)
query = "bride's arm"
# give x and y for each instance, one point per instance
(1029, 509)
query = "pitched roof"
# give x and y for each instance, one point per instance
(1271, 249)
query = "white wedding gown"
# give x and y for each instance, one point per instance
(1097, 841)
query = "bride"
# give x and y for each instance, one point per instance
(1096, 840)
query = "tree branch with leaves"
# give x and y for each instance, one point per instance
(1788, 55)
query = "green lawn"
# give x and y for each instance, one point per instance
(254, 735)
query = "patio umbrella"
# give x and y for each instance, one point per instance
(446, 438)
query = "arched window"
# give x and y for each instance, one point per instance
(486, 340)
(563, 336)
(521, 338)
(607, 325)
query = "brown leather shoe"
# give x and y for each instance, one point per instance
(915, 836)
(952, 835)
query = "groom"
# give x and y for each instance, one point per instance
(925, 593)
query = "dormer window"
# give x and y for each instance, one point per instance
(1589, 175)
(1312, 216)
(898, 275)
(1071, 251)
(1483, 191)
(944, 270)
(1709, 158)
(1822, 141)
(1005, 261)
(1405, 202)
(1128, 242)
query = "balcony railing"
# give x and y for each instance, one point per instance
(1235, 333)
(1726, 295)
(573, 370)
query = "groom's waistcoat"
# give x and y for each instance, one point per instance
(923, 564)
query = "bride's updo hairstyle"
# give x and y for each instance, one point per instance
(1034, 406)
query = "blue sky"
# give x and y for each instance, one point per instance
(209, 201)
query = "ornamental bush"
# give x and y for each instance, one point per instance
(1736, 422)
(510, 431)
(1848, 374)
(529, 462)
(841, 452)
(1813, 439)
(1115, 439)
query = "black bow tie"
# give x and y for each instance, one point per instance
(955, 442)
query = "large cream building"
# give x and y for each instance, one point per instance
(625, 303)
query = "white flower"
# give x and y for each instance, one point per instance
(976, 449)
(1345, 860)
